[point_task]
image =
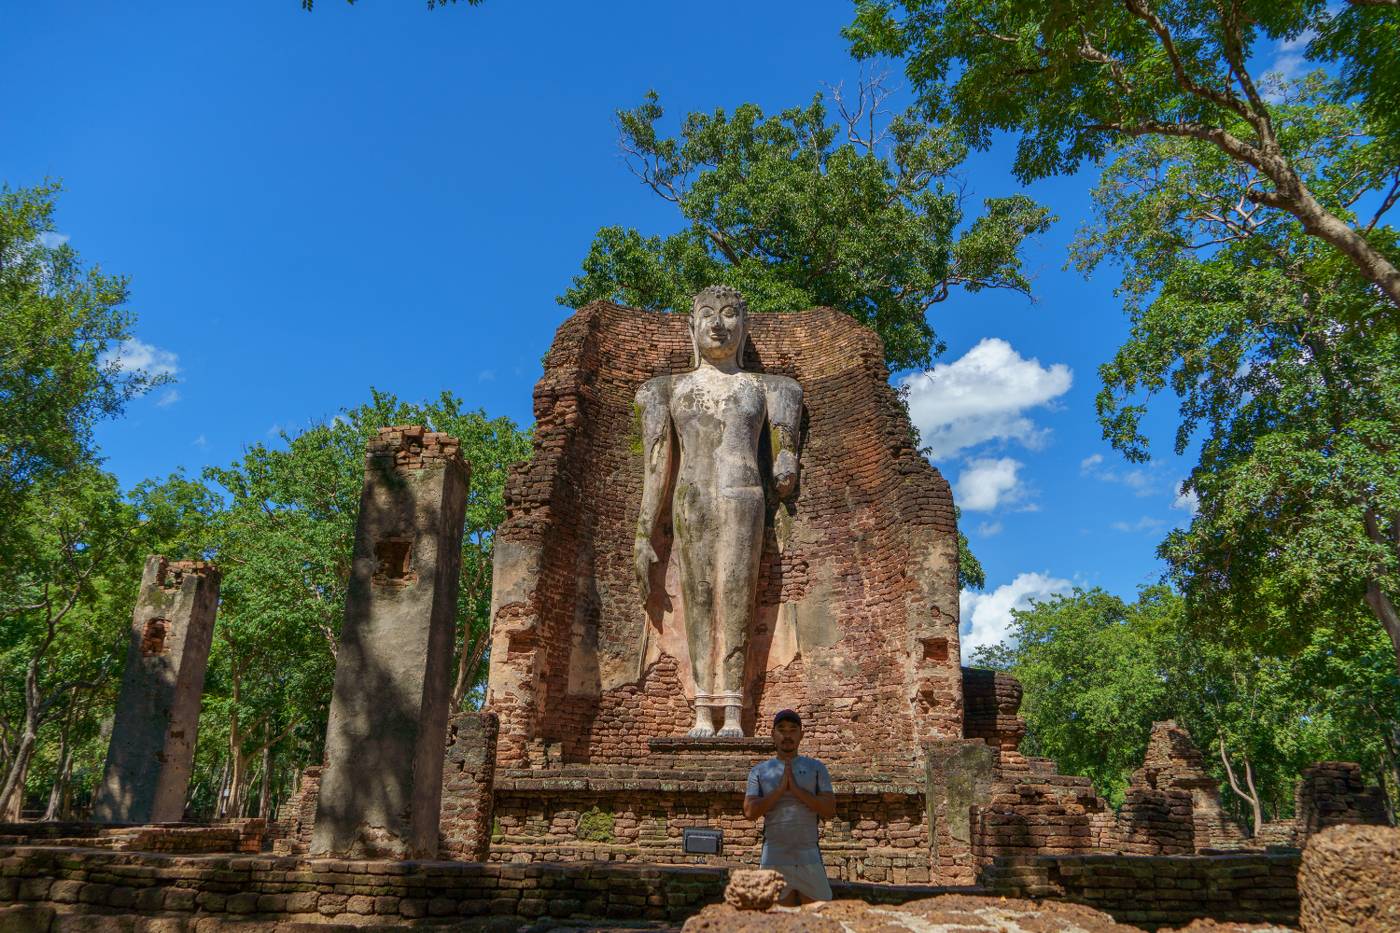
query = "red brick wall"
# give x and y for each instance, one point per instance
(1334, 793)
(1163, 892)
(297, 816)
(872, 522)
(468, 782)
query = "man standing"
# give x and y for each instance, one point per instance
(791, 792)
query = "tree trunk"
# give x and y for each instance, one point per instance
(265, 789)
(468, 662)
(1385, 612)
(1293, 196)
(234, 806)
(12, 796)
(219, 789)
(1251, 796)
(59, 790)
(1350, 243)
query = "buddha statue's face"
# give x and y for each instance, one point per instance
(718, 325)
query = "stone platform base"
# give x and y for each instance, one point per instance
(241, 835)
(1161, 891)
(335, 890)
(638, 813)
(184, 891)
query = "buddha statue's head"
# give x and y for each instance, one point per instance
(719, 324)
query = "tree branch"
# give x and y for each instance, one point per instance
(1221, 98)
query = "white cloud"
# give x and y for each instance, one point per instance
(1290, 64)
(983, 397)
(133, 355)
(986, 617)
(201, 442)
(986, 483)
(51, 240)
(1146, 523)
(1142, 481)
(486, 375)
(1187, 501)
(989, 529)
(168, 397)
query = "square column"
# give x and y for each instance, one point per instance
(381, 790)
(153, 737)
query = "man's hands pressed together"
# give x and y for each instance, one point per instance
(824, 805)
(754, 807)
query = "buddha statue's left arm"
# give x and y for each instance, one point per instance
(784, 398)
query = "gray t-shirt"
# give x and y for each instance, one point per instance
(790, 828)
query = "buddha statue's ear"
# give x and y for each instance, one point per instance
(743, 336)
(694, 339)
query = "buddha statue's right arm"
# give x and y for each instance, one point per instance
(654, 415)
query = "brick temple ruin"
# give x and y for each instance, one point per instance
(572, 791)
(581, 752)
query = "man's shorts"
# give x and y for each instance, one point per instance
(810, 880)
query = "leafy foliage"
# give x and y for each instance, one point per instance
(67, 538)
(59, 322)
(67, 584)
(797, 211)
(1284, 366)
(1079, 80)
(285, 542)
(1099, 671)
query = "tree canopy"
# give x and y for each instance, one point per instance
(61, 323)
(1285, 371)
(1078, 80)
(1098, 671)
(284, 541)
(797, 210)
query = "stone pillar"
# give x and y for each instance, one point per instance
(468, 786)
(1173, 761)
(1155, 820)
(1334, 793)
(382, 786)
(991, 703)
(959, 774)
(153, 738)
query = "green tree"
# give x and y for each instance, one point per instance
(65, 601)
(57, 589)
(285, 542)
(59, 325)
(1099, 671)
(1078, 80)
(862, 214)
(1284, 367)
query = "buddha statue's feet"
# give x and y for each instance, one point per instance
(701, 732)
(730, 732)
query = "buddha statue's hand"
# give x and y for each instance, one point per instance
(785, 473)
(643, 556)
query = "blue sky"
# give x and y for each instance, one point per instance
(382, 195)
